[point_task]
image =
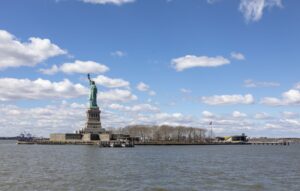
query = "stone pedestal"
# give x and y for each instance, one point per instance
(93, 124)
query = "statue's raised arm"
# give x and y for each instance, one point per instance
(89, 78)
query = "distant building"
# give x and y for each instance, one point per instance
(233, 139)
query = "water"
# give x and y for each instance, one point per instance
(74, 167)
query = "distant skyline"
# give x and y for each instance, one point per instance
(235, 63)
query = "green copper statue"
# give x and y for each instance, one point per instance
(93, 93)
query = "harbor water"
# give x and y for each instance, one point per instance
(83, 167)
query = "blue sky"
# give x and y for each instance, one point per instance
(176, 62)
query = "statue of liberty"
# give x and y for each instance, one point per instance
(93, 93)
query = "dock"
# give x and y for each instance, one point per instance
(270, 143)
(241, 143)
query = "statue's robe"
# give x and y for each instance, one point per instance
(93, 96)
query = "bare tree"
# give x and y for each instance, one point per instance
(164, 133)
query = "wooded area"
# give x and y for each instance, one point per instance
(165, 133)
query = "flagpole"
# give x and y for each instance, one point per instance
(210, 131)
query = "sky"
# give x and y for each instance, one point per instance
(177, 62)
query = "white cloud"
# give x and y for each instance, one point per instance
(152, 93)
(116, 95)
(191, 61)
(291, 122)
(172, 119)
(253, 9)
(15, 89)
(288, 125)
(75, 105)
(237, 56)
(53, 70)
(64, 118)
(297, 86)
(271, 101)
(145, 88)
(69, 117)
(272, 126)
(117, 106)
(135, 108)
(185, 91)
(262, 115)
(289, 115)
(14, 53)
(291, 97)
(40, 121)
(142, 87)
(207, 114)
(118, 53)
(111, 82)
(212, 1)
(255, 84)
(228, 99)
(237, 114)
(78, 66)
(115, 2)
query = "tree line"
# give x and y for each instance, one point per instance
(163, 133)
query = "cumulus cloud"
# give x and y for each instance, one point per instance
(40, 121)
(297, 86)
(14, 53)
(103, 2)
(185, 91)
(118, 53)
(272, 126)
(271, 101)
(237, 56)
(289, 115)
(15, 89)
(262, 115)
(207, 114)
(145, 88)
(152, 93)
(135, 108)
(142, 87)
(291, 122)
(253, 9)
(226, 124)
(68, 117)
(116, 95)
(50, 71)
(290, 97)
(212, 1)
(173, 119)
(256, 84)
(237, 114)
(228, 99)
(285, 125)
(78, 66)
(191, 61)
(111, 82)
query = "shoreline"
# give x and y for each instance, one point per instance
(39, 142)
